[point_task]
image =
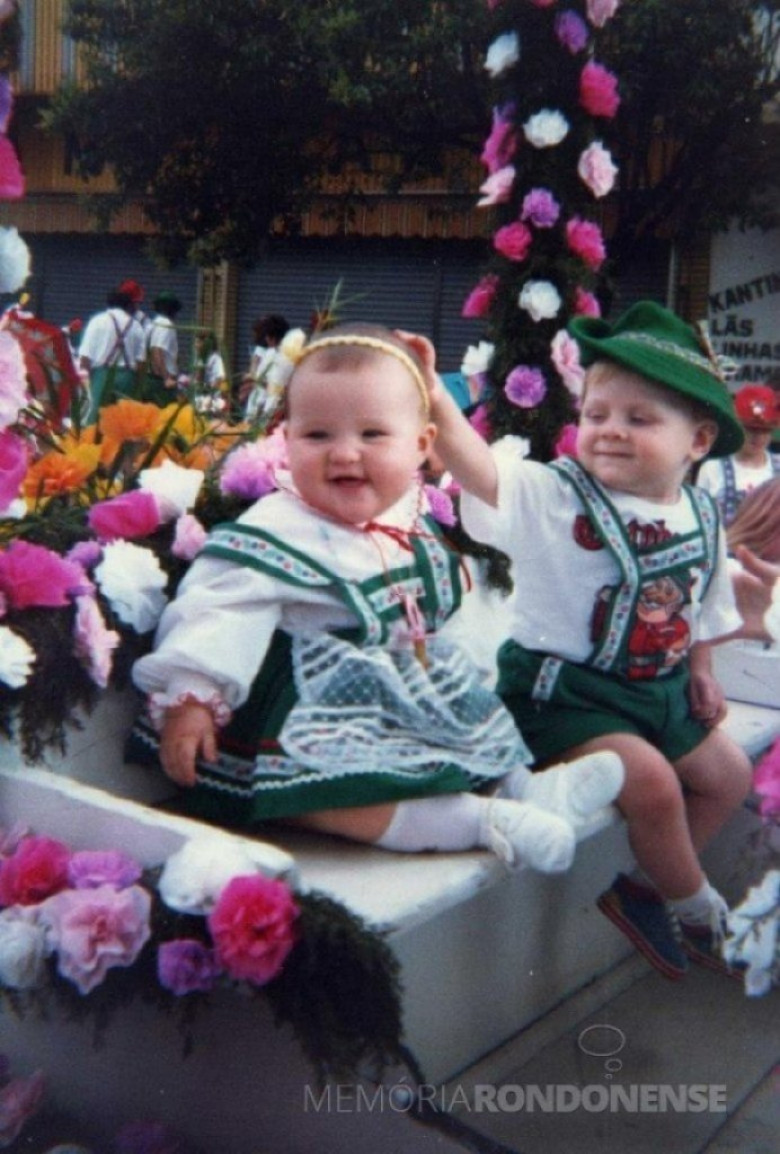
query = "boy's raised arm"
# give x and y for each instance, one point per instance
(460, 447)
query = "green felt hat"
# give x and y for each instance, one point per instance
(652, 341)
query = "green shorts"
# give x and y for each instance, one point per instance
(585, 704)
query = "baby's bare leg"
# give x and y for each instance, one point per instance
(717, 776)
(364, 823)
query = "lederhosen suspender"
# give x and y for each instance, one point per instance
(609, 654)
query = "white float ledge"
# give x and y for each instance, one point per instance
(397, 892)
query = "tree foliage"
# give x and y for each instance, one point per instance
(695, 141)
(222, 115)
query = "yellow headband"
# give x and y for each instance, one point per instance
(380, 346)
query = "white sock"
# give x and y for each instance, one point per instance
(706, 907)
(574, 790)
(450, 822)
(517, 832)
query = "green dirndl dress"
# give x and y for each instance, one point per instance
(346, 719)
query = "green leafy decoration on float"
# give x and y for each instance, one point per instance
(85, 933)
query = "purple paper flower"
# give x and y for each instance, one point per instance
(572, 31)
(525, 386)
(541, 208)
(144, 1137)
(87, 554)
(185, 965)
(88, 869)
(440, 505)
(248, 473)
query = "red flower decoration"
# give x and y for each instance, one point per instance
(37, 869)
(598, 90)
(252, 926)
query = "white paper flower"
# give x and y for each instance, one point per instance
(13, 380)
(540, 299)
(195, 876)
(132, 581)
(502, 53)
(23, 949)
(16, 658)
(14, 260)
(173, 487)
(477, 358)
(596, 169)
(512, 446)
(545, 129)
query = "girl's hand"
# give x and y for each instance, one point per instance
(188, 732)
(426, 354)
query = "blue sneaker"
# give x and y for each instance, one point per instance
(703, 947)
(641, 914)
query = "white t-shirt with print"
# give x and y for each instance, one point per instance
(558, 567)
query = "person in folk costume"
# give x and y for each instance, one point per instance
(303, 673)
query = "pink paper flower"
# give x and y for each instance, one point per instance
(129, 515)
(440, 505)
(19, 1101)
(31, 575)
(93, 642)
(501, 145)
(541, 208)
(480, 422)
(36, 869)
(525, 386)
(572, 31)
(598, 90)
(585, 241)
(93, 931)
(596, 170)
(13, 467)
(480, 299)
(585, 303)
(543, 3)
(766, 782)
(90, 868)
(600, 11)
(186, 965)
(248, 473)
(565, 356)
(566, 445)
(497, 188)
(252, 926)
(189, 537)
(11, 175)
(13, 380)
(513, 241)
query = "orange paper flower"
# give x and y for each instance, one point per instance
(57, 473)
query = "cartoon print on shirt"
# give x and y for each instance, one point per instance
(660, 635)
